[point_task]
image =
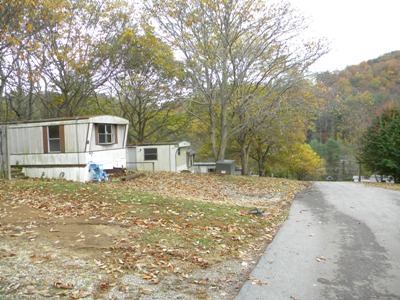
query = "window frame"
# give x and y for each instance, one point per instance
(54, 142)
(109, 135)
(47, 139)
(150, 156)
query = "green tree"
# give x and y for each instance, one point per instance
(331, 152)
(303, 162)
(147, 87)
(356, 112)
(380, 150)
(281, 127)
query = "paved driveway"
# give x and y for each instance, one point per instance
(341, 241)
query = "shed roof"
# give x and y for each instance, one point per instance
(179, 144)
(212, 164)
(68, 120)
(225, 161)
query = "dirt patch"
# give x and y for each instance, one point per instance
(55, 246)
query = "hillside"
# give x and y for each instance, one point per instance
(379, 77)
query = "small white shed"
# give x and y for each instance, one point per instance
(204, 167)
(64, 148)
(169, 157)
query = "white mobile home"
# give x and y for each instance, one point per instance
(169, 157)
(64, 148)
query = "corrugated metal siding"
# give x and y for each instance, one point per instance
(131, 159)
(168, 159)
(181, 159)
(108, 159)
(75, 137)
(5, 171)
(48, 159)
(26, 140)
(80, 174)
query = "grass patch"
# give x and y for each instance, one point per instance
(163, 224)
(180, 233)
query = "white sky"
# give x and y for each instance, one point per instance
(357, 30)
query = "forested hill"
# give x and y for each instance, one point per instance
(380, 77)
(352, 98)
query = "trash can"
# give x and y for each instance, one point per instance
(225, 166)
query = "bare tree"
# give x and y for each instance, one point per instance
(234, 53)
(76, 57)
(19, 21)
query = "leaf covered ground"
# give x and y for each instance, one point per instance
(384, 185)
(159, 236)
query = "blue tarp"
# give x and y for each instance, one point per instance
(98, 173)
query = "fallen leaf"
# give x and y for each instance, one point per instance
(14, 286)
(257, 281)
(146, 291)
(80, 294)
(60, 285)
(45, 293)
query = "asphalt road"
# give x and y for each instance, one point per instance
(341, 241)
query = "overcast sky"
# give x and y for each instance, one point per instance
(358, 30)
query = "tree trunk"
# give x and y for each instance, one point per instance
(213, 138)
(261, 164)
(261, 170)
(223, 145)
(245, 159)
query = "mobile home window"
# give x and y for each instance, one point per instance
(150, 154)
(53, 139)
(106, 133)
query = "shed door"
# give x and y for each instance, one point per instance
(4, 155)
